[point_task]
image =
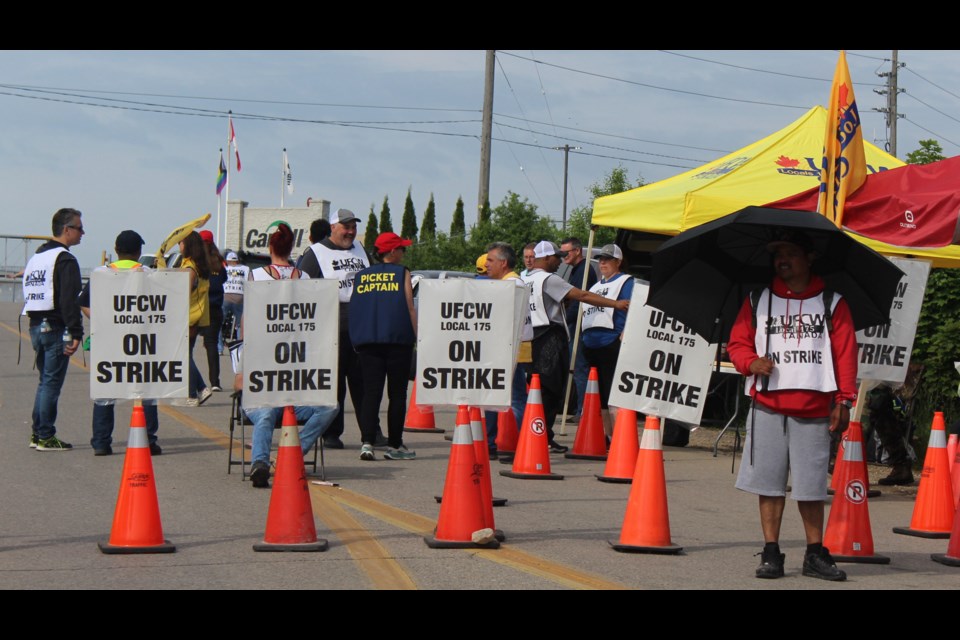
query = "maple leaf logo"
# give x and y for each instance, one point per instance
(789, 163)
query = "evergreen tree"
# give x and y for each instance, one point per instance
(484, 214)
(429, 227)
(458, 228)
(370, 234)
(408, 225)
(385, 223)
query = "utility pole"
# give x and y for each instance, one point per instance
(891, 109)
(486, 134)
(566, 158)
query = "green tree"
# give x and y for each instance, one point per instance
(370, 234)
(929, 151)
(514, 221)
(578, 223)
(458, 228)
(429, 227)
(385, 223)
(484, 214)
(408, 225)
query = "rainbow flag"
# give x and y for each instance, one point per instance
(844, 166)
(222, 176)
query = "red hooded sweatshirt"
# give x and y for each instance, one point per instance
(802, 403)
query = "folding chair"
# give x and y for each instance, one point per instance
(238, 417)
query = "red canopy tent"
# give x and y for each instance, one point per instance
(917, 205)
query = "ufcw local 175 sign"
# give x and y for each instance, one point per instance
(664, 367)
(138, 334)
(468, 336)
(290, 343)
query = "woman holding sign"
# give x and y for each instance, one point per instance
(603, 327)
(382, 321)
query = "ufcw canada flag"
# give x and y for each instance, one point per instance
(844, 166)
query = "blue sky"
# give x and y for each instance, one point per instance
(131, 138)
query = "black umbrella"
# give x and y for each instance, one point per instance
(702, 276)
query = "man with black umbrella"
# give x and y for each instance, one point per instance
(802, 387)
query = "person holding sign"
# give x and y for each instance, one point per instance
(802, 387)
(315, 420)
(603, 328)
(339, 257)
(383, 331)
(128, 246)
(51, 283)
(551, 354)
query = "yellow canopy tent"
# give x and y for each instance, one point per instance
(780, 165)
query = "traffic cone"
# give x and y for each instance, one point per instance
(419, 417)
(590, 442)
(934, 509)
(532, 460)
(864, 474)
(136, 519)
(952, 557)
(478, 431)
(848, 534)
(290, 524)
(461, 520)
(624, 448)
(951, 455)
(646, 525)
(507, 432)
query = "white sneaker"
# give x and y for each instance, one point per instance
(191, 402)
(366, 452)
(205, 395)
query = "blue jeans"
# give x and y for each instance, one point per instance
(52, 365)
(518, 400)
(581, 372)
(195, 383)
(103, 422)
(237, 309)
(315, 419)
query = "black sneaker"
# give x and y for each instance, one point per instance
(333, 442)
(155, 449)
(33, 441)
(771, 565)
(260, 474)
(381, 441)
(556, 447)
(899, 476)
(53, 443)
(103, 451)
(822, 566)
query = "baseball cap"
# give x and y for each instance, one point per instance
(611, 251)
(343, 216)
(231, 255)
(795, 237)
(207, 236)
(482, 265)
(128, 242)
(388, 241)
(546, 248)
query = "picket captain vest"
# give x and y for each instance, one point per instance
(799, 343)
(378, 308)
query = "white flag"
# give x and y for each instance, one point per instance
(288, 177)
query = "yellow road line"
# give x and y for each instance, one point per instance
(374, 559)
(514, 558)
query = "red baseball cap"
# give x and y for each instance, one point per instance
(207, 236)
(388, 241)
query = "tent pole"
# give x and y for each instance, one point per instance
(576, 336)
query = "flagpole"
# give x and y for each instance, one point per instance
(283, 175)
(219, 243)
(226, 199)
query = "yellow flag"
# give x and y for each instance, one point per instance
(176, 236)
(844, 167)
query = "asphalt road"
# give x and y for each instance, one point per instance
(56, 507)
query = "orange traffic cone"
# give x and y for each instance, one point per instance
(532, 460)
(462, 511)
(646, 525)
(934, 509)
(848, 534)
(590, 442)
(507, 432)
(136, 519)
(478, 431)
(952, 557)
(290, 524)
(951, 455)
(836, 481)
(624, 448)
(419, 417)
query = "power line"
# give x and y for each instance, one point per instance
(933, 133)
